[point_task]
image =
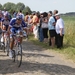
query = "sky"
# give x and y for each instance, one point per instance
(63, 6)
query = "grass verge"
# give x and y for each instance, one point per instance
(68, 51)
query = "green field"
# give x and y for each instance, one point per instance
(69, 30)
(69, 39)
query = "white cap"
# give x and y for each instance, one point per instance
(57, 14)
(41, 12)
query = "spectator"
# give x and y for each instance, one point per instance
(29, 23)
(40, 31)
(55, 12)
(26, 17)
(26, 21)
(20, 13)
(59, 30)
(35, 21)
(51, 27)
(45, 26)
(14, 14)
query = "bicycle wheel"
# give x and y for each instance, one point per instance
(14, 55)
(3, 46)
(7, 47)
(19, 54)
(2, 43)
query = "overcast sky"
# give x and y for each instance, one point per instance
(62, 6)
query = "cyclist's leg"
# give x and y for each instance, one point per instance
(3, 31)
(12, 30)
(5, 27)
(19, 31)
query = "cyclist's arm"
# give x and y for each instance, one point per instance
(10, 25)
(24, 26)
(2, 23)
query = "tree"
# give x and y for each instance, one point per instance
(8, 6)
(16, 7)
(0, 7)
(20, 6)
(27, 9)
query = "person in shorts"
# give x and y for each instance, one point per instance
(51, 28)
(16, 26)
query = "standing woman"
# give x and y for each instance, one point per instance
(45, 26)
(40, 31)
(51, 27)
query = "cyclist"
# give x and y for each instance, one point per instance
(1, 17)
(16, 25)
(4, 25)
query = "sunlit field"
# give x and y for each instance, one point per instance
(69, 38)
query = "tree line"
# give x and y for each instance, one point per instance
(11, 7)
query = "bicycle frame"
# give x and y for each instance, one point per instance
(16, 51)
(7, 42)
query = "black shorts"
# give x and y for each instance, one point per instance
(52, 33)
(45, 32)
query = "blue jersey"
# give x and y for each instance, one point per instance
(5, 22)
(15, 25)
(1, 19)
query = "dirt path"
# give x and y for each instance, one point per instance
(37, 61)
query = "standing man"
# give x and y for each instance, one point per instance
(59, 30)
(20, 13)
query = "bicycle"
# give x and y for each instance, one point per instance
(2, 45)
(7, 42)
(17, 52)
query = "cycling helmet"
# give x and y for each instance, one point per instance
(19, 17)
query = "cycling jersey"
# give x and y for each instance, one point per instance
(5, 23)
(0, 25)
(15, 25)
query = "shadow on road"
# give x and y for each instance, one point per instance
(36, 55)
(7, 66)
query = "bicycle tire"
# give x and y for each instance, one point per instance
(14, 54)
(3, 47)
(7, 47)
(19, 54)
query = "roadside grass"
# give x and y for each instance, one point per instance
(69, 39)
(68, 51)
(37, 42)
